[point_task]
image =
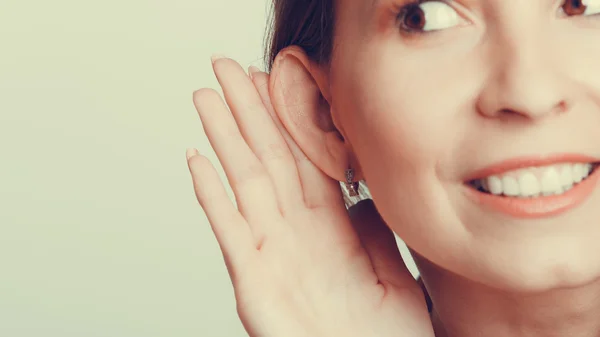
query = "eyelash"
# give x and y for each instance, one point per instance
(401, 11)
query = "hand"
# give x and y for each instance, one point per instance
(300, 263)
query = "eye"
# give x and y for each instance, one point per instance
(581, 7)
(427, 16)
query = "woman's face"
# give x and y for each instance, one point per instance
(436, 96)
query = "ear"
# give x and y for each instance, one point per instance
(300, 94)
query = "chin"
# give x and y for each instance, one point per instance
(535, 255)
(495, 249)
(535, 266)
(516, 267)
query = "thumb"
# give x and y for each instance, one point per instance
(380, 244)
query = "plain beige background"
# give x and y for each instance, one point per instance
(100, 232)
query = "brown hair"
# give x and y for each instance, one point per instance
(308, 24)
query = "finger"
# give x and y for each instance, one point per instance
(256, 199)
(380, 243)
(318, 189)
(229, 227)
(259, 131)
(261, 82)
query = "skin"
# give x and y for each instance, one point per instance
(416, 114)
(300, 263)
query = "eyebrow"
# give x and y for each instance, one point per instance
(375, 3)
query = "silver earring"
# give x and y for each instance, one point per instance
(351, 185)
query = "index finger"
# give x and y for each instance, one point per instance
(260, 133)
(319, 189)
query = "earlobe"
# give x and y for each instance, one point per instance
(301, 97)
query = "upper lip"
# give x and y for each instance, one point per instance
(529, 161)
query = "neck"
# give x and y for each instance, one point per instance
(463, 308)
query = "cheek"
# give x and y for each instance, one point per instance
(406, 123)
(579, 57)
(414, 119)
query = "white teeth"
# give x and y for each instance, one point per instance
(495, 185)
(510, 186)
(536, 181)
(577, 173)
(529, 184)
(566, 176)
(551, 183)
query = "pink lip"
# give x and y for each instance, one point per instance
(543, 206)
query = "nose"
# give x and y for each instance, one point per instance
(523, 79)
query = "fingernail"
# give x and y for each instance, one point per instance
(252, 70)
(189, 153)
(216, 57)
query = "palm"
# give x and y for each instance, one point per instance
(299, 264)
(333, 281)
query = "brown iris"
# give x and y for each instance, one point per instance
(413, 18)
(574, 7)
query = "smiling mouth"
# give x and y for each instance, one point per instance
(536, 182)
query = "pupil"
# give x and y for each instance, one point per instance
(415, 18)
(574, 7)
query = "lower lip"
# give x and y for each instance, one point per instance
(540, 207)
